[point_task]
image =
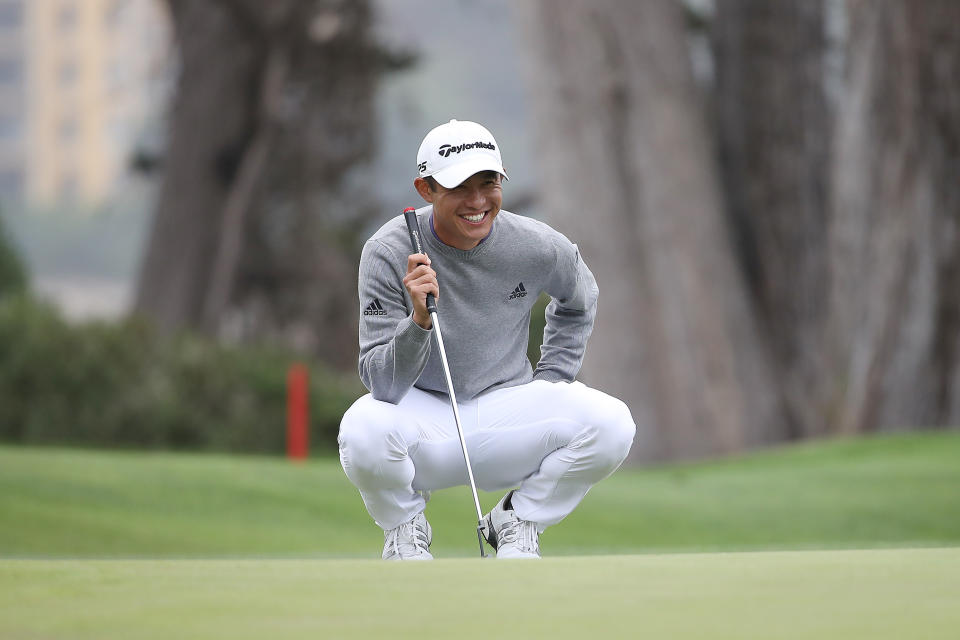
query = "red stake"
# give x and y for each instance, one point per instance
(298, 438)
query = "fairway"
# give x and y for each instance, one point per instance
(887, 491)
(876, 595)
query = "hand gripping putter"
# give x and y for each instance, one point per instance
(410, 217)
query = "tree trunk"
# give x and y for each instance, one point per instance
(255, 234)
(895, 257)
(297, 277)
(211, 118)
(626, 172)
(773, 127)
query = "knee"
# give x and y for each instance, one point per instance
(615, 430)
(364, 433)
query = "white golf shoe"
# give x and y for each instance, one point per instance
(410, 541)
(509, 535)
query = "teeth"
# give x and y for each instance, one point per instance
(476, 218)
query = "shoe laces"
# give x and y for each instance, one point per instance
(522, 533)
(411, 537)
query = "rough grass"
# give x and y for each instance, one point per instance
(886, 491)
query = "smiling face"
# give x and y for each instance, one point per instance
(463, 215)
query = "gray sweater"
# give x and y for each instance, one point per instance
(486, 295)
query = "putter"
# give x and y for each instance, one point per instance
(410, 217)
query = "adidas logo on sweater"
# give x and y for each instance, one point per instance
(374, 309)
(519, 292)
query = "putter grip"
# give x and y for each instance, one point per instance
(413, 227)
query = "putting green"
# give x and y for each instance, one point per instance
(872, 594)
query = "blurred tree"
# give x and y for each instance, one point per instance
(618, 114)
(772, 125)
(255, 228)
(894, 317)
(13, 275)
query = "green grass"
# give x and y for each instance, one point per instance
(813, 541)
(848, 595)
(886, 491)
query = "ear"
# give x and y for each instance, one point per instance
(423, 188)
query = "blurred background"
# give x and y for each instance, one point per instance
(767, 192)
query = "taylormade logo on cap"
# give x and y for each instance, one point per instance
(454, 151)
(446, 149)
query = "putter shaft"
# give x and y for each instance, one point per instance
(413, 227)
(456, 417)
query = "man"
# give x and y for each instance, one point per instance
(537, 430)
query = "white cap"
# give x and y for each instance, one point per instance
(454, 151)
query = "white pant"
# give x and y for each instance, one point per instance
(552, 439)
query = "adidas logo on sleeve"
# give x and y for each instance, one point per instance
(374, 309)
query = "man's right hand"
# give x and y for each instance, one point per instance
(419, 281)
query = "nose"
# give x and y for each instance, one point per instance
(474, 198)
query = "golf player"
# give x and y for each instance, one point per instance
(538, 433)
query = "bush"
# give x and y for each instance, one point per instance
(537, 323)
(125, 385)
(13, 276)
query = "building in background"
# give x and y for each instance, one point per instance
(78, 83)
(13, 104)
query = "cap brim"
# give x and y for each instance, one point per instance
(450, 177)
